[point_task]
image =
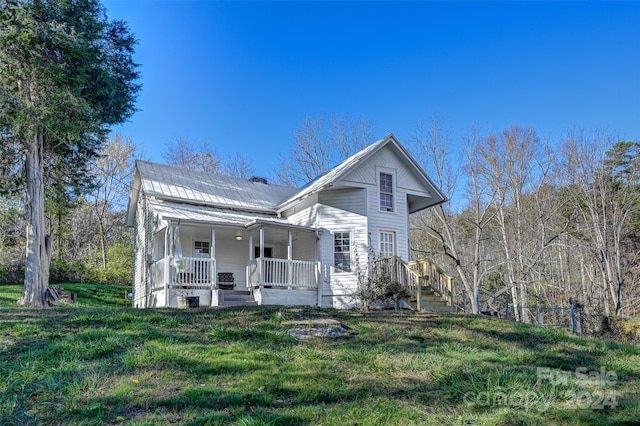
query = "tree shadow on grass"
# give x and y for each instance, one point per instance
(159, 367)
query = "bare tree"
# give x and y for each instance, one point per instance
(185, 154)
(113, 170)
(443, 226)
(515, 164)
(320, 144)
(238, 166)
(605, 188)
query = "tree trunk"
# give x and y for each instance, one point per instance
(38, 255)
(103, 243)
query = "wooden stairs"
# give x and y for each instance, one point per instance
(429, 287)
(430, 301)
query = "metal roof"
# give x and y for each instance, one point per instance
(178, 184)
(210, 215)
(195, 188)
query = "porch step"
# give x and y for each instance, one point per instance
(236, 298)
(432, 301)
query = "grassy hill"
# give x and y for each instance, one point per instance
(241, 366)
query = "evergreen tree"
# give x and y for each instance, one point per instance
(66, 74)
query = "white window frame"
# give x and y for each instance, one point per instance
(384, 253)
(200, 253)
(391, 194)
(335, 266)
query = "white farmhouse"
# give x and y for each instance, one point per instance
(221, 241)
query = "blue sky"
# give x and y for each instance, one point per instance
(243, 75)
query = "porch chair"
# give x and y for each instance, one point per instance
(225, 280)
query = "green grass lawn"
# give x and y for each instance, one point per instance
(240, 366)
(88, 294)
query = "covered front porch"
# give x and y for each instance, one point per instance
(265, 263)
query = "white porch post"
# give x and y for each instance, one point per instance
(261, 242)
(252, 256)
(261, 269)
(214, 277)
(167, 263)
(167, 260)
(289, 258)
(318, 272)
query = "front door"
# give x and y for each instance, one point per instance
(268, 252)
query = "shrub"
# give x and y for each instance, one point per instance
(11, 274)
(626, 330)
(377, 287)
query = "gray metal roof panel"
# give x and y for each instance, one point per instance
(169, 182)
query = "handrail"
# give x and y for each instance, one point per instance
(416, 274)
(435, 277)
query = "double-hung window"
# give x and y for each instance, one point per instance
(342, 251)
(387, 240)
(386, 192)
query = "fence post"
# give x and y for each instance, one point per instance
(580, 310)
(464, 301)
(573, 319)
(419, 294)
(506, 306)
(539, 313)
(479, 300)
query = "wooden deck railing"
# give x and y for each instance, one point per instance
(397, 269)
(416, 274)
(281, 273)
(434, 277)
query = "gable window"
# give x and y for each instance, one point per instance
(342, 251)
(387, 244)
(386, 192)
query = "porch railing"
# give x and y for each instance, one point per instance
(281, 273)
(196, 272)
(411, 274)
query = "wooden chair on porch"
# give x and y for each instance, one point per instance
(226, 280)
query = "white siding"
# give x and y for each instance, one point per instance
(407, 178)
(301, 206)
(304, 246)
(404, 182)
(143, 247)
(337, 287)
(305, 217)
(351, 199)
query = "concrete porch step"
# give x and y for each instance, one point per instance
(236, 298)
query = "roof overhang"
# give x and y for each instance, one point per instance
(205, 215)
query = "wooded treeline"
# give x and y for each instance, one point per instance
(534, 222)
